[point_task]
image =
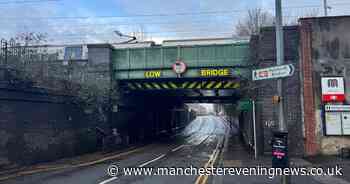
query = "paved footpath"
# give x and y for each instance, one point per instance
(235, 155)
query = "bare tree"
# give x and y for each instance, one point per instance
(31, 38)
(254, 20)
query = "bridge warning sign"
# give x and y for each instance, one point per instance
(224, 72)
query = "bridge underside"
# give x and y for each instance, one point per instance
(218, 90)
(154, 83)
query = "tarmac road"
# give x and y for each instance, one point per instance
(193, 147)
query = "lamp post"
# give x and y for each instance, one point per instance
(283, 128)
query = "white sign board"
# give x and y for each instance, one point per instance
(346, 123)
(332, 85)
(273, 72)
(338, 108)
(333, 123)
(337, 119)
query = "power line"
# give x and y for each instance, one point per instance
(149, 32)
(110, 35)
(27, 2)
(81, 40)
(149, 15)
(124, 23)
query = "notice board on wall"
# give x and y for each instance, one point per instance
(337, 119)
(346, 123)
(333, 123)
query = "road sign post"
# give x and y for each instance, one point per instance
(279, 61)
(273, 72)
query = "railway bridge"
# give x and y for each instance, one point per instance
(155, 81)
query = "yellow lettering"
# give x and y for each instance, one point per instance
(152, 74)
(215, 72)
(226, 72)
(202, 72)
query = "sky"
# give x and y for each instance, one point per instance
(94, 21)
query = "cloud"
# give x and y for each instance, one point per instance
(167, 25)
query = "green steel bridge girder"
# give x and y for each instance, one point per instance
(242, 73)
(133, 63)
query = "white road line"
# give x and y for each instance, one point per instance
(146, 163)
(179, 147)
(109, 180)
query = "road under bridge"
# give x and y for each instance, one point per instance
(153, 82)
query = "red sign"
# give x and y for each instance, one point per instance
(333, 89)
(179, 67)
(263, 74)
(333, 98)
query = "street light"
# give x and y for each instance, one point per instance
(120, 34)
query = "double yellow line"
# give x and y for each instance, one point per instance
(66, 166)
(202, 179)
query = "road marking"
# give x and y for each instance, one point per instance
(177, 148)
(109, 180)
(49, 169)
(146, 163)
(111, 157)
(202, 179)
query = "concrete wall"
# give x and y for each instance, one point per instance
(326, 52)
(266, 112)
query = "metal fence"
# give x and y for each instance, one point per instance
(44, 67)
(15, 54)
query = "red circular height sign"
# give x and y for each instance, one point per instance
(179, 67)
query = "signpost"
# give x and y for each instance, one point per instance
(273, 72)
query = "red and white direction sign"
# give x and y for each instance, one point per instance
(273, 72)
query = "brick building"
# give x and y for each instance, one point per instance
(319, 48)
(263, 54)
(325, 52)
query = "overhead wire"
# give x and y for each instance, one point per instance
(123, 22)
(149, 15)
(27, 1)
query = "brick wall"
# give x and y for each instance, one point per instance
(311, 147)
(266, 112)
(325, 48)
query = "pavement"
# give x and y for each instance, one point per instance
(331, 161)
(236, 155)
